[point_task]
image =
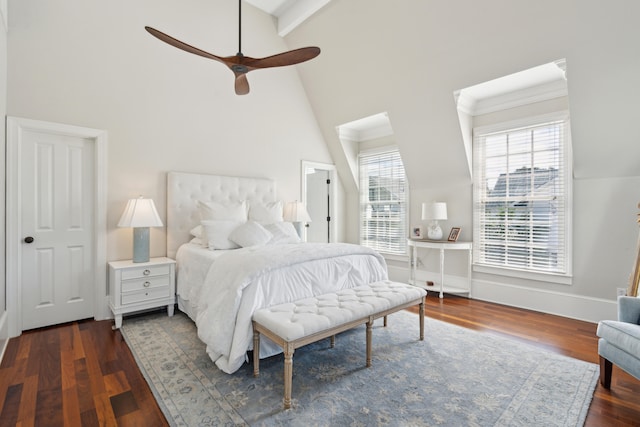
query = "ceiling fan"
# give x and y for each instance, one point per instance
(240, 64)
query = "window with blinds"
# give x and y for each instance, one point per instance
(521, 196)
(383, 202)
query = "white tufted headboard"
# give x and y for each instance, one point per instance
(184, 189)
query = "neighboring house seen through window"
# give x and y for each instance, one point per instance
(522, 195)
(383, 201)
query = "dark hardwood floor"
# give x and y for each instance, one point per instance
(75, 374)
(82, 373)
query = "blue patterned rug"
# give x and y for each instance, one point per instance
(456, 377)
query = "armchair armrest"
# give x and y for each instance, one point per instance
(629, 310)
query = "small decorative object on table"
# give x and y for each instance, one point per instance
(417, 232)
(434, 212)
(454, 234)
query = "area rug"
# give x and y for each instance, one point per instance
(455, 377)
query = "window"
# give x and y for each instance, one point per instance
(522, 195)
(383, 202)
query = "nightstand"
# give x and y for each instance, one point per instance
(135, 286)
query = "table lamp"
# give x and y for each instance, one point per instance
(140, 214)
(296, 213)
(434, 212)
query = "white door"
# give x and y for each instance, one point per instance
(318, 195)
(56, 234)
(319, 206)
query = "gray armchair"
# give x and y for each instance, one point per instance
(619, 341)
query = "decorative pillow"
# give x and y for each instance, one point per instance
(216, 233)
(196, 231)
(230, 211)
(283, 232)
(196, 241)
(250, 234)
(265, 213)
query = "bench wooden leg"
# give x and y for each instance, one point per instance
(288, 373)
(369, 334)
(385, 321)
(422, 320)
(333, 341)
(256, 352)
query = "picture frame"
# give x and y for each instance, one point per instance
(454, 234)
(418, 232)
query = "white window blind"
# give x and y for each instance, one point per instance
(383, 202)
(521, 197)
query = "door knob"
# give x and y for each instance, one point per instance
(28, 239)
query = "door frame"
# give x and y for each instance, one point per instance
(15, 128)
(333, 230)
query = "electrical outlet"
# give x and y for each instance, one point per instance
(621, 292)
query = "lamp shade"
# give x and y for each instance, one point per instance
(140, 212)
(434, 211)
(296, 212)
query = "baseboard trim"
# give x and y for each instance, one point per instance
(563, 304)
(573, 306)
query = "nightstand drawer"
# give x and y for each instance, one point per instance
(145, 271)
(145, 283)
(146, 295)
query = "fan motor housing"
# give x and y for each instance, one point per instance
(237, 68)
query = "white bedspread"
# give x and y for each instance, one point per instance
(244, 280)
(193, 265)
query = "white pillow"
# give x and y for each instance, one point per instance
(283, 232)
(216, 233)
(250, 234)
(229, 211)
(265, 213)
(196, 241)
(196, 231)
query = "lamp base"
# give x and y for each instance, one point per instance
(298, 226)
(141, 244)
(434, 232)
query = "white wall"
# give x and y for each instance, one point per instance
(91, 63)
(407, 58)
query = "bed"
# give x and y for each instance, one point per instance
(220, 289)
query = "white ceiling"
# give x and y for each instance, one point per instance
(272, 7)
(289, 13)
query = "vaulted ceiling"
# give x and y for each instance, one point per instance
(409, 58)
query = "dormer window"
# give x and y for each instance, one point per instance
(518, 136)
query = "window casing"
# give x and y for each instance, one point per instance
(522, 196)
(383, 201)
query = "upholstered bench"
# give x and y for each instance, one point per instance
(293, 325)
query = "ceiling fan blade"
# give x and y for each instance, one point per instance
(242, 84)
(181, 45)
(283, 59)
